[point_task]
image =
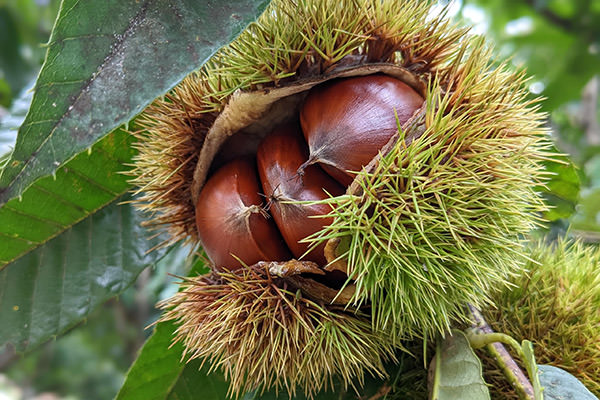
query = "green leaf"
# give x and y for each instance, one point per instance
(195, 383)
(561, 192)
(587, 217)
(57, 285)
(560, 385)
(53, 204)
(159, 366)
(457, 371)
(156, 369)
(106, 61)
(159, 373)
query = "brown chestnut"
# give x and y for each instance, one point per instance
(347, 121)
(231, 221)
(278, 158)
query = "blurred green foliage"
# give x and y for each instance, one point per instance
(24, 26)
(557, 41)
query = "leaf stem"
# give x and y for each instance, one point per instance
(438, 365)
(493, 343)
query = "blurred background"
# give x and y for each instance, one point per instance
(556, 41)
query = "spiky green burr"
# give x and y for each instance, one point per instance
(555, 303)
(436, 222)
(256, 328)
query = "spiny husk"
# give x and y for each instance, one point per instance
(292, 40)
(436, 224)
(556, 305)
(262, 334)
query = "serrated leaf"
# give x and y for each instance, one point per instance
(558, 384)
(53, 204)
(106, 61)
(457, 372)
(52, 288)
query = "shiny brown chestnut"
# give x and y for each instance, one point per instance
(347, 121)
(278, 158)
(231, 222)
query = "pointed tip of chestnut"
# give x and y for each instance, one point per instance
(347, 121)
(232, 226)
(280, 157)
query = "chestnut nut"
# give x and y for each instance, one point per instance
(345, 123)
(278, 158)
(231, 222)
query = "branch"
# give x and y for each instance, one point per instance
(561, 22)
(507, 364)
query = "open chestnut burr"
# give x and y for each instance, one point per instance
(345, 123)
(435, 218)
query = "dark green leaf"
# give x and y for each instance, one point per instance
(159, 373)
(58, 284)
(106, 61)
(159, 365)
(194, 384)
(560, 385)
(457, 371)
(53, 204)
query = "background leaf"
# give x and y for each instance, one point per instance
(10, 123)
(57, 285)
(106, 61)
(560, 385)
(459, 375)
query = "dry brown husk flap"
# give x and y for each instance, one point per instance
(291, 271)
(252, 115)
